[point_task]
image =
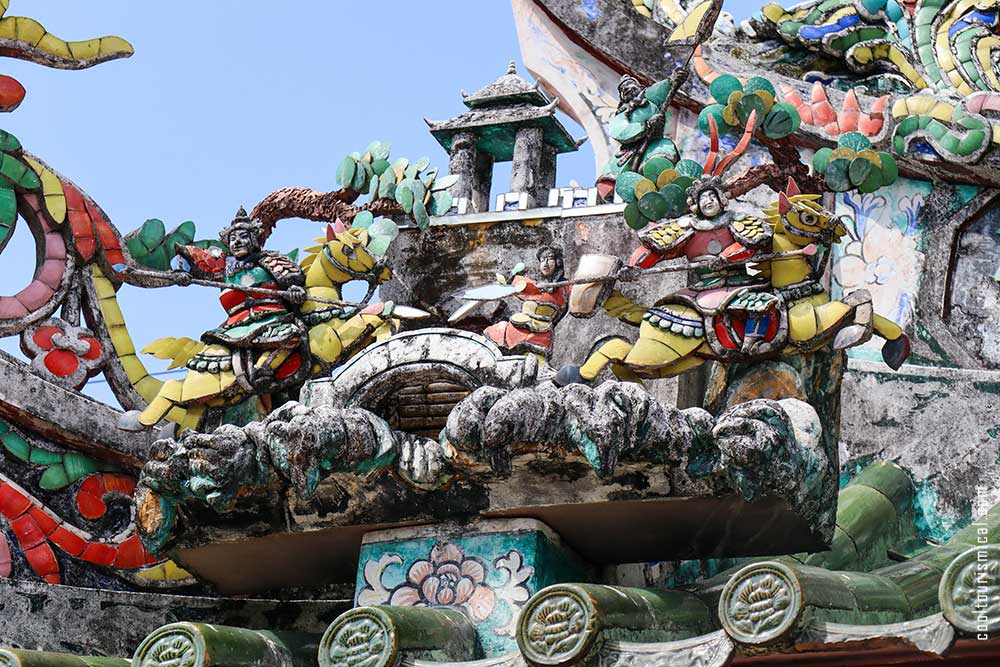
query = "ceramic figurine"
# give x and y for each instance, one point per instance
(284, 323)
(727, 312)
(531, 329)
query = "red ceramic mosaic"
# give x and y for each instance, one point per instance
(37, 529)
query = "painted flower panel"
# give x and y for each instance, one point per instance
(448, 578)
(883, 252)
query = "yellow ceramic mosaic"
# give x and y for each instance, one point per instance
(52, 191)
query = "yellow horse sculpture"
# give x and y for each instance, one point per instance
(787, 312)
(221, 377)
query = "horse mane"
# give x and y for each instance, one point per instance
(313, 252)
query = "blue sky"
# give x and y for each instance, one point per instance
(226, 101)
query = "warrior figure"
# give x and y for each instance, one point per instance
(261, 326)
(530, 330)
(721, 243)
(262, 347)
(632, 97)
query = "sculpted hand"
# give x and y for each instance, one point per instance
(181, 278)
(296, 295)
(629, 273)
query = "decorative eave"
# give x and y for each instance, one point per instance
(497, 129)
(509, 89)
(67, 417)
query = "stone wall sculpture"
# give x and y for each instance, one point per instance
(489, 435)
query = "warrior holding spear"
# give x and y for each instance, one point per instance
(285, 322)
(262, 292)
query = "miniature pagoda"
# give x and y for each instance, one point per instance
(509, 120)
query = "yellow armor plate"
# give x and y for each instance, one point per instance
(666, 235)
(749, 230)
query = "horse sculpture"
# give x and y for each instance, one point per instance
(270, 345)
(782, 309)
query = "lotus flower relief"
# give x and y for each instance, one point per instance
(883, 254)
(449, 578)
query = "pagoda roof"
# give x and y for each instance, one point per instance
(497, 129)
(508, 89)
(498, 110)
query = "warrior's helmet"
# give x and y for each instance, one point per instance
(242, 221)
(708, 195)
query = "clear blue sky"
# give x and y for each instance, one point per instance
(225, 101)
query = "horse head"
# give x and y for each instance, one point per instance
(802, 218)
(344, 256)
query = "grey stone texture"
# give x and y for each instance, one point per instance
(756, 479)
(432, 270)
(475, 170)
(973, 308)
(86, 621)
(942, 425)
(533, 169)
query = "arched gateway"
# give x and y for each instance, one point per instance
(413, 380)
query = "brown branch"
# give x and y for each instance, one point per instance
(786, 155)
(787, 164)
(384, 207)
(305, 203)
(752, 177)
(314, 205)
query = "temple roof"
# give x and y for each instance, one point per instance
(508, 89)
(861, 598)
(498, 110)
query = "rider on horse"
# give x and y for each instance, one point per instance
(261, 348)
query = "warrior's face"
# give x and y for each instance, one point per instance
(243, 243)
(548, 263)
(709, 204)
(629, 89)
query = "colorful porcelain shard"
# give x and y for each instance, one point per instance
(40, 532)
(730, 314)
(531, 330)
(27, 39)
(736, 100)
(398, 188)
(63, 353)
(153, 247)
(854, 165)
(934, 58)
(819, 112)
(285, 323)
(641, 118)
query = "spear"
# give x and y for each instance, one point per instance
(808, 250)
(682, 44)
(256, 291)
(472, 304)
